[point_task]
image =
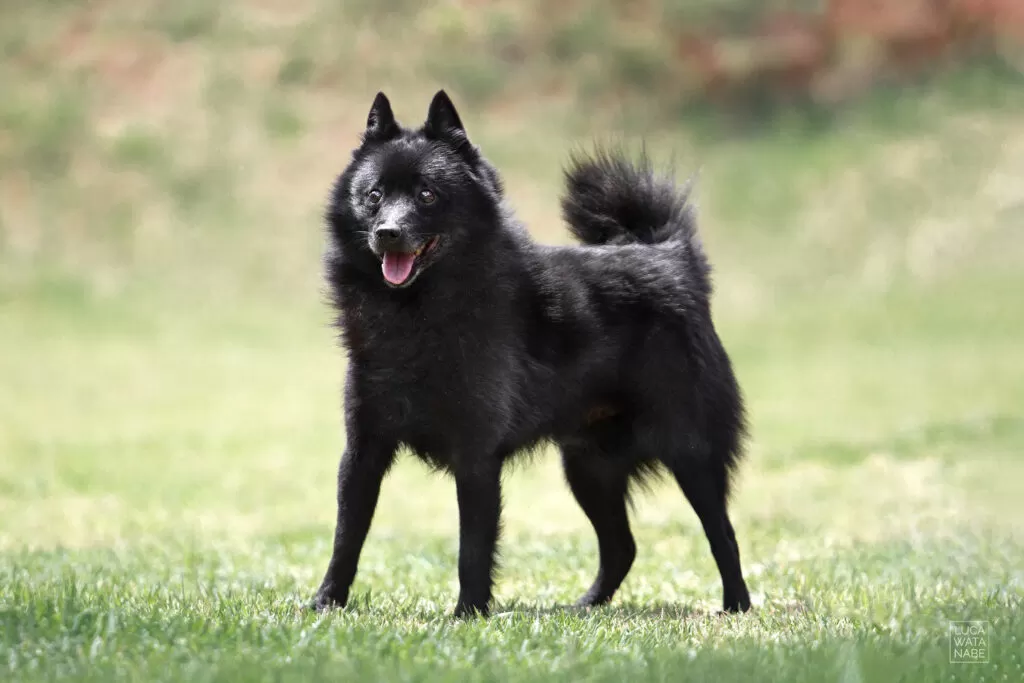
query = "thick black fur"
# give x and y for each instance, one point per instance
(498, 344)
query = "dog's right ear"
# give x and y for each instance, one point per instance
(380, 123)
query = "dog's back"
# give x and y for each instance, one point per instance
(653, 274)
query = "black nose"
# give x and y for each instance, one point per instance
(387, 236)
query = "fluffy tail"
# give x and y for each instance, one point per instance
(610, 199)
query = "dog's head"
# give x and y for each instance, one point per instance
(412, 198)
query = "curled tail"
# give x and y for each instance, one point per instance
(610, 199)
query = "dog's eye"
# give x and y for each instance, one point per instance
(427, 197)
(374, 196)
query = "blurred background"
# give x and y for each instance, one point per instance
(167, 367)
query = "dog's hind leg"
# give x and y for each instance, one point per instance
(704, 485)
(601, 490)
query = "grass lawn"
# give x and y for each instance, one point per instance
(166, 505)
(170, 395)
(166, 501)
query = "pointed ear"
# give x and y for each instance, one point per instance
(380, 123)
(442, 119)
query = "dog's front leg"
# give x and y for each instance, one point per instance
(360, 474)
(478, 487)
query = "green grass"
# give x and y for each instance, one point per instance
(166, 503)
(170, 387)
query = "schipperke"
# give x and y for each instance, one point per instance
(469, 343)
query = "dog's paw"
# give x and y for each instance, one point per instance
(464, 612)
(592, 600)
(328, 598)
(734, 609)
(595, 597)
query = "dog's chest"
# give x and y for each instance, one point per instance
(421, 375)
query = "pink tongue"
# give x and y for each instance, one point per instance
(397, 266)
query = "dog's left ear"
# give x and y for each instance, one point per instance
(443, 123)
(442, 119)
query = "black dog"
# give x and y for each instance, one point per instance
(469, 343)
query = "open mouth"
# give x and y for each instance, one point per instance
(400, 266)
